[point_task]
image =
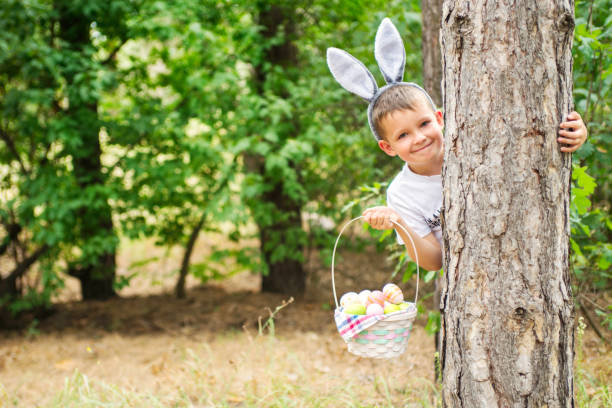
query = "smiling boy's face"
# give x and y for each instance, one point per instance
(415, 135)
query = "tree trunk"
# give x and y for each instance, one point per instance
(179, 288)
(284, 275)
(430, 45)
(96, 276)
(508, 311)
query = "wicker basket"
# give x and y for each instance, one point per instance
(386, 338)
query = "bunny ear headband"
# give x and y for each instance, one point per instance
(390, 54)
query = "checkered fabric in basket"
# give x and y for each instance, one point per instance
(376, 336)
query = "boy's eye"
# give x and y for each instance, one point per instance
(402, 135)
(427, 122)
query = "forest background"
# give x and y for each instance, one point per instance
(123, 121)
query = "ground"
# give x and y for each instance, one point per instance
(147, 348)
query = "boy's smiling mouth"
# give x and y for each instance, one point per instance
(423, 147)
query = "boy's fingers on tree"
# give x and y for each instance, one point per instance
(573, 115)
(578, 137)
(567, 149)
(570, 141)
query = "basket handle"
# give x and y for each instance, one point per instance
(416, 255)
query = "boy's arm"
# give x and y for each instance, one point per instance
(428, 249)
(572, 132)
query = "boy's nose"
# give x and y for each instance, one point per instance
(419, 137)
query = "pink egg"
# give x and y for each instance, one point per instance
(393, 294)
(375, 309)
(376, 296)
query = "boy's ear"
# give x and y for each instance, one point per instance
(386, 147)
(440, 118)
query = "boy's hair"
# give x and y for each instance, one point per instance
(395, 98)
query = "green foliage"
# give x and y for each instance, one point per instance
(593, 90)
(167, 120)
(51, 79)
(158, 78)
(218, 265)
(591, 222)
(591, 249)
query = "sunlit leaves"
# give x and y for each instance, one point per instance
(591, 224)
(584, 187)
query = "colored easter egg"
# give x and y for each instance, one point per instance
(375, 309)
(363, 295)
(391, 308)
(349, 298)
(376, 296)
(355, 309)
(405, 305)
(393, 293)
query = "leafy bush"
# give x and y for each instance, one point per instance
(591, 222)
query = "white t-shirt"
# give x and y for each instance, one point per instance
(418, 200)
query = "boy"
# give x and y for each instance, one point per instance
(405, 123)
(411, 128)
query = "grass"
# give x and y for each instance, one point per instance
(275, 374)
(288, 384)
(262, 371)
(80, 391)
(591, 391)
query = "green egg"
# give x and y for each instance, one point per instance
(355, 309)
(390, 308)
(404, 306)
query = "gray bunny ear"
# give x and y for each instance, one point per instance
(389, 52)
(351, 73)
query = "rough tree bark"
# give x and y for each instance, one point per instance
(508, 310)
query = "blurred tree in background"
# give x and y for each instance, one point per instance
(142, 118)
(293, 135)
(55, 203)
(171, 165)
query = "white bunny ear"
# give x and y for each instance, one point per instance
(351, 73)
(389, 52)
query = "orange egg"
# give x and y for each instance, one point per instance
(393, 294)
(376, 296)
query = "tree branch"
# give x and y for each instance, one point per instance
(13, 230)
(23, 267)
(11, 145)
(591, 322)
(114, 52)
(74, 271)
(179, 288)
